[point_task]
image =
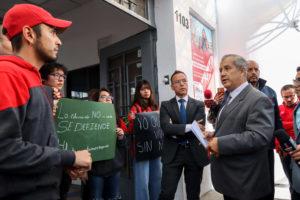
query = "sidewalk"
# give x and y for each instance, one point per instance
(281, 192)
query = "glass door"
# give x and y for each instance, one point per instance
(124, 72)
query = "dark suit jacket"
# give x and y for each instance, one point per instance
(194, 111)
(244, 130)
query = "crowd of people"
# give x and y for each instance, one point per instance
(240, 149)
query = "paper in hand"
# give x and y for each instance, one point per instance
(198, 133)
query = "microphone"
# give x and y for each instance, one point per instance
(286, 142)
(207, 94)
(208, 98)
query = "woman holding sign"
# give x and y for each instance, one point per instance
(147, 173)
(106, 174)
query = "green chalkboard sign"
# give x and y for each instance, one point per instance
(86, 125)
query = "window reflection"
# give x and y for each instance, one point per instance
(137, 6)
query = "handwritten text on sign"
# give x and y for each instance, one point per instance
(148, 136)
(86, 125)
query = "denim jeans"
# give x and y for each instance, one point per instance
(98, 184)
(147, 176)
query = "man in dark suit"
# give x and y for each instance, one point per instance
(244, 129)
(181, 149)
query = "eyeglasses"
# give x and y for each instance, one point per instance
(179, 81)
(58, 76)
(289, 97)
(297, 81)
(110, 98)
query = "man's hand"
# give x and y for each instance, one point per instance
(281, 152)
(208, 134)
(56, 97)
(132, 115)
(213, 146)
(200, 125)
(84, 178)
(120, 133)
(56, 94)
(219, 97)
(75, 173)
(296, 154)
(54, 110)
(83, 159)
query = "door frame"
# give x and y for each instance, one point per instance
(146, 41)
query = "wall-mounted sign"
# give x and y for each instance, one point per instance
(202, 53)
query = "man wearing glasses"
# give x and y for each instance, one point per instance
(181, 149)
(286, 113)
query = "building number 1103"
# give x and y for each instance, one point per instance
(181, 19)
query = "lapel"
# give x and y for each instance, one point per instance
(295, 123)
(189, 107)
(235, 102)
(174, 107)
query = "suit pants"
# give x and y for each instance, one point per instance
(268, 197)
(286, 164)
(271, 168)
(172, 172)
(295, 195)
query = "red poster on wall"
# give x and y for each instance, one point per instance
(202, 53)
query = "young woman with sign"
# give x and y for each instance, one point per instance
(106, 174)
(147, 173)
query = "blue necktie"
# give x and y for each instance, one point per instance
(182, 111)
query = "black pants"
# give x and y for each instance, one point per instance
(65, 185)
(271, 168)
(286, 165)
(268, 197)
(172, 171)
(295, 195)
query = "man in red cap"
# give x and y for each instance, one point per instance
(31, 162)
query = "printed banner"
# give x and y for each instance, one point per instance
(202, 53)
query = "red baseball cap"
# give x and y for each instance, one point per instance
(21, 15)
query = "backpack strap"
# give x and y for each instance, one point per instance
(137, 108)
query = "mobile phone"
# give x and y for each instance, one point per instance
(221, 90)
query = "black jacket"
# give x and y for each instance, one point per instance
(30, 160)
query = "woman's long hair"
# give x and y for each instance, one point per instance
(94, 96)
(152, 103)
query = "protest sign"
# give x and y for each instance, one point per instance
(86, 125)
(148, 136)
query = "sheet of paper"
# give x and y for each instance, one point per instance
(199, 134)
